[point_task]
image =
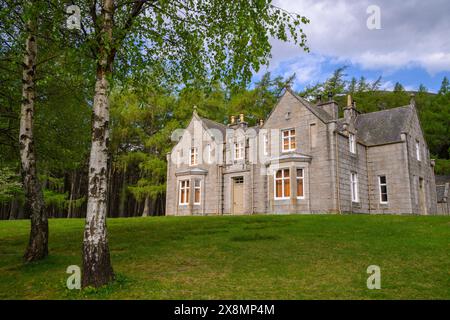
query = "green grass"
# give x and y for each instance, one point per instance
(243, 257)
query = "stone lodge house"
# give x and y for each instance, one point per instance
(303, 159)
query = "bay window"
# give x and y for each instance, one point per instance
(282, 184)
(300, 192)
(197, 191)
(184, 192)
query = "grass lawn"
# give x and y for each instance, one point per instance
(241, 257)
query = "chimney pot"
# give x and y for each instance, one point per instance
(261, 122)
(349, 100)
(330, 95)
(241, 117)
(233, 119)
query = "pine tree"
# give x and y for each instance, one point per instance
(445, 86)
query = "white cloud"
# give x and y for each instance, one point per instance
(413, 33)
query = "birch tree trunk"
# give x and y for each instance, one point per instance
(97, 268)
(34, 200)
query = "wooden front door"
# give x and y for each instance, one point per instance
(238, 195)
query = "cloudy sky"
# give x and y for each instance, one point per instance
(412, 46)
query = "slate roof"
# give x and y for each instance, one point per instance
(318, 112)
(373, 128)
(384, 126)
(210, 124)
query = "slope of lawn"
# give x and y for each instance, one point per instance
(241, 257)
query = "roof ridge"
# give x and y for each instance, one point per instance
(389, 109)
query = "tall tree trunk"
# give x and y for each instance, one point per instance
(72, 190)
(146, 210)
(34, 199)
(123, 193)
(97, 268)
(12, 213)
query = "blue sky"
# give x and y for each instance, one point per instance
(411, 47)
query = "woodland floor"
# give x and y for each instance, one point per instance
(241, 257)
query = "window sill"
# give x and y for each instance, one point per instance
(278, 199)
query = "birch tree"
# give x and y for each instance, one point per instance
(188, 39)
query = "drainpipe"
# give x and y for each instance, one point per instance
(253, 188)
(337, 173)
(368, 179)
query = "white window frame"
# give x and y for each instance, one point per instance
(199, 188)
(352, 143)
(380, 184)
(283, 179)
(418, 155)
(302, 177)
(265, 144)
(193, 151)
(239, 149)
(186, 187)
(354, 186)
(290, 137)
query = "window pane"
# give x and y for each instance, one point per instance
(383, 189)
(197, 183)
(384, 198)
(279, 174)
(299, 172)
(383, 179)
(278, 189)
(286, 173)
(182, 196)
(299, 187)
(197, 195)
(285, 133)
(287, 188)
(292, 132)
(293, 143)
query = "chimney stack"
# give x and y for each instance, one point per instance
(350, 110)
(330, 106)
